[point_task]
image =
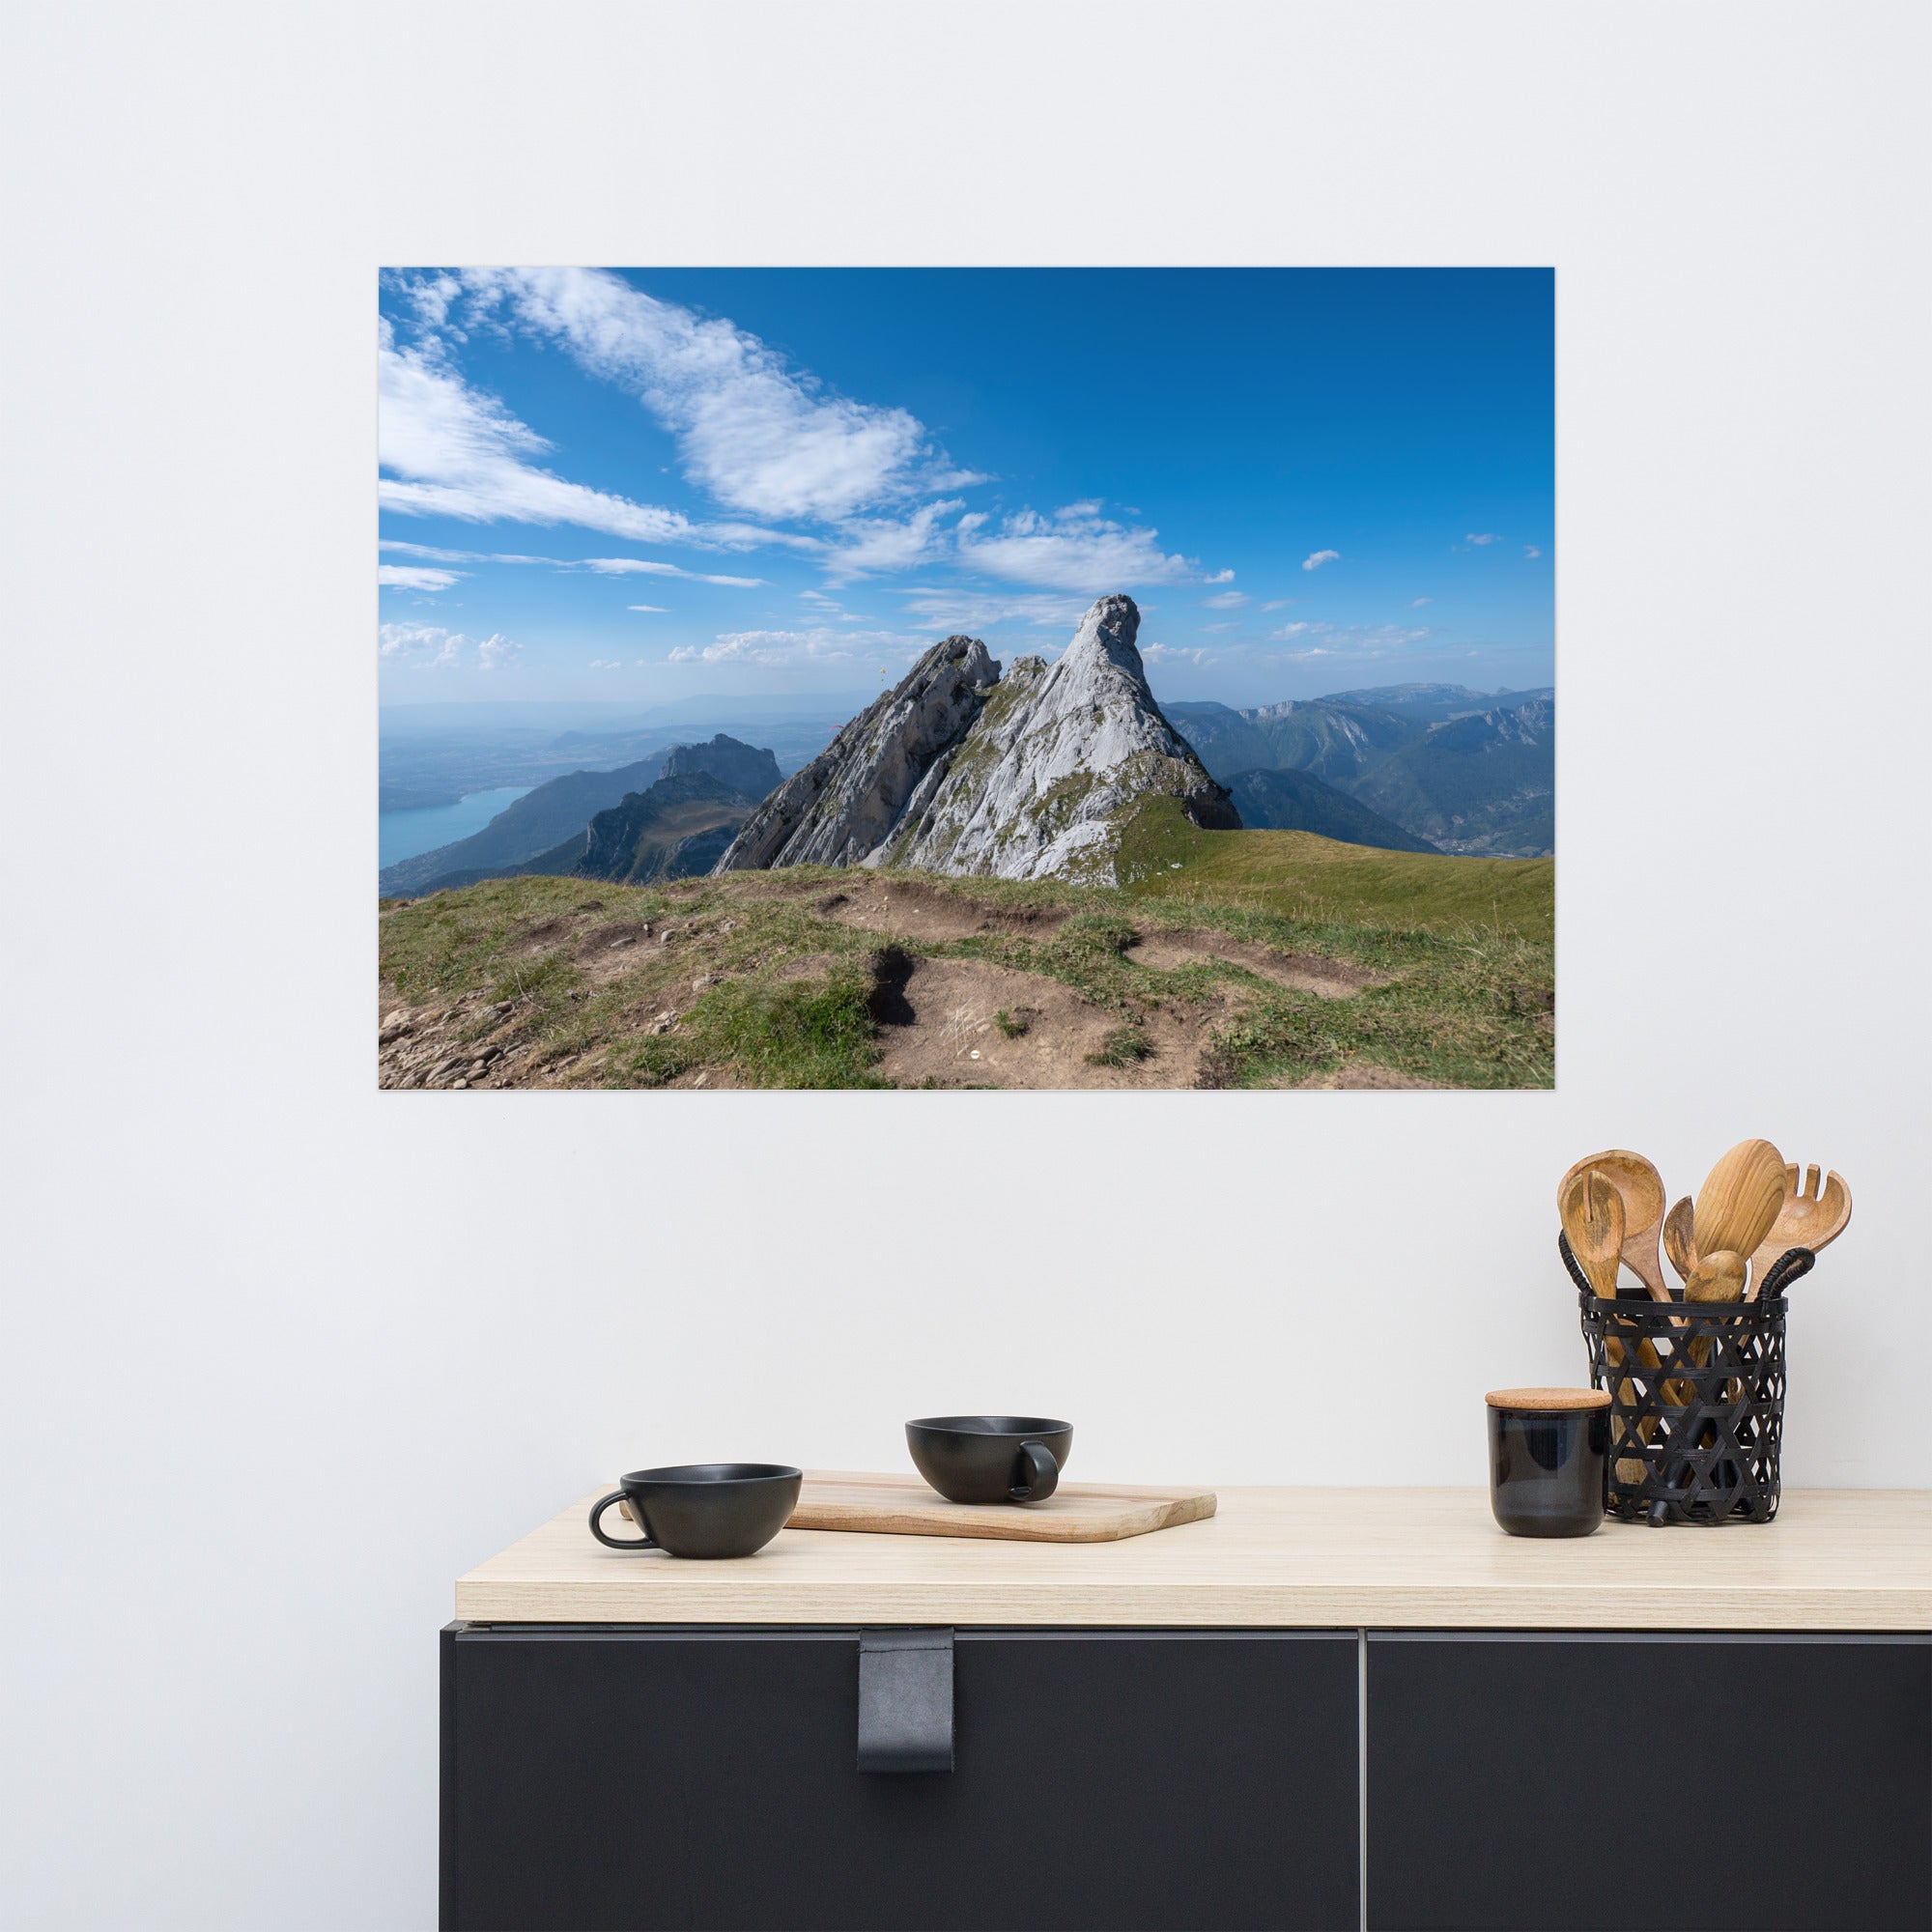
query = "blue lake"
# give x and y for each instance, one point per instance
(402, 834)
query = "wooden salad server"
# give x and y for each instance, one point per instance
(1809, 1216)
(1642, 1187)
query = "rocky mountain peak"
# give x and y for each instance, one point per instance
(837, 809)
(961, 771)
(744, 767)
(1040, 786)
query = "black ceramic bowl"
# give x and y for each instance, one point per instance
(703, 1508)
(990, 1459)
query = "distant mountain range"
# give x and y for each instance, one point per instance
(1270, 801)
(675, 829)
(1466, 771)
(450, 750)
(1407, 768)
(552, 829)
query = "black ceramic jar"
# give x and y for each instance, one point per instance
(1549, 1458)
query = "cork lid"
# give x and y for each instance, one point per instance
(1548, 1401)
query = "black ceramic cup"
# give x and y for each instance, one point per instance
(990, 1459)
(702, 1509)
(1549, 1458)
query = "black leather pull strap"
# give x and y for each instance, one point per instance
(905, 1700)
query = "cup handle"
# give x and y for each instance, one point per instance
(1042, 1475)
(597, 1510)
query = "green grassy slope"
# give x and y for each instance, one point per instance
(1298, 876)
(570, 982)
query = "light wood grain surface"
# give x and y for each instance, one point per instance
(898, 1505)
(1843, 1559)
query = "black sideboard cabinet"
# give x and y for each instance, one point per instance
(600, 1778)
(606, 1778)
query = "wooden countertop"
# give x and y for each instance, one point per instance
(1835, 1559)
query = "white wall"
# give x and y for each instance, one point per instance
(284, 1355)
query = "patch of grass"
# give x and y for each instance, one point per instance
(1122, 1047)
(805, 1033)
(1013, 1024)
(1302, 876)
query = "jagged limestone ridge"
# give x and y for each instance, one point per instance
(845, 803)
(1036, 787)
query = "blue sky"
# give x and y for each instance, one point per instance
(644, 485)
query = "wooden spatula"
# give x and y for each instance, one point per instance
(1738, 1199)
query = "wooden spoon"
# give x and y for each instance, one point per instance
(1680, 1240)
(1717, 1277)
(1738, 1199)
(1808, 1217)
(1593, 1218)
(1642, 1190)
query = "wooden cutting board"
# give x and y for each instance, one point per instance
(1075, 1513)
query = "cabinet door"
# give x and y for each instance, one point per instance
(1621, 1782)
(602, 1778)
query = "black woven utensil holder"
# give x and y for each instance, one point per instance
(1696, 1399)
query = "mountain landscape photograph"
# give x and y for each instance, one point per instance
(966, 679)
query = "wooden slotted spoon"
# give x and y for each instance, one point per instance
(1642, 1187)
(1809, 1216)
(1592, 1212)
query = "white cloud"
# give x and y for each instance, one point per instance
(1322, 640)
(817, 645)
(1416, 603)
(606, 664)
(1224, 600)
(642, 566)
(456, 452)
(655, 610)
(758, 436)
(428, 551)
(1487, 537)
(1318, 558)
(880, 544)
(1076, 548)
(1277, 602)
(435, 556)
(1206, 629)
(417, 577)
(432, 647)
(933, 608)
(1220, 577)
(1158, 654)
(1530, 549)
